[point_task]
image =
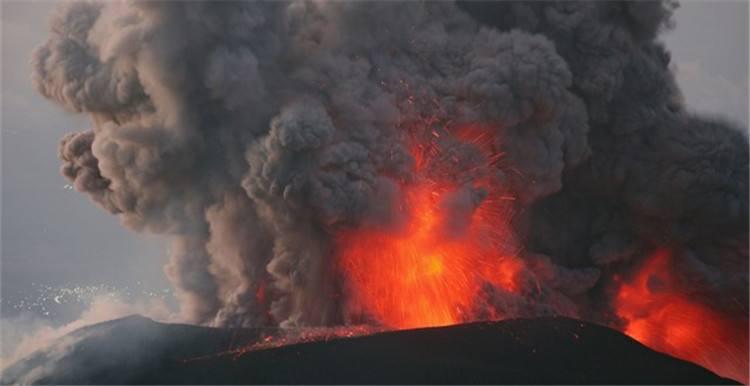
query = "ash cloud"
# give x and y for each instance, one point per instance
(657, 175)
(250, 133)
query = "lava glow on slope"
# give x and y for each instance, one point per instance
(678, 325)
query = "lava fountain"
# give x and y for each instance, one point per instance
(454, 240)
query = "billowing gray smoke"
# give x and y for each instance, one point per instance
(250, 133)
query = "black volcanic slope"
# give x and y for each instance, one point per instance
(137, 350)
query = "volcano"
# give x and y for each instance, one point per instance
(407, 166)
(137, 350)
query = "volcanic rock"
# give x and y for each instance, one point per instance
(137, 350)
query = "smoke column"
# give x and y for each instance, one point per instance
(269, 139)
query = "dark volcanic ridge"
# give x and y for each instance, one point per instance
(137, 350)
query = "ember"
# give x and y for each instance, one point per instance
(428, 273)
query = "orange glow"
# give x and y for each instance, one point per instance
(671, 322)
(418, 277)
(432, 269)
(427, 273)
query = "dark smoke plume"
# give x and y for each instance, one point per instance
(656, 175)
(251, 132)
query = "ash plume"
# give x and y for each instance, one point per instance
(251, 133)
(656, 175)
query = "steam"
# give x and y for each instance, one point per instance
(250, 133)
(25, 334)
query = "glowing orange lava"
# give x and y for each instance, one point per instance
(436, 268)
(421, 277)
(678, 325)
(431, 271)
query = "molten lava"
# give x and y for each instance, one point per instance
(666, 319)
(439, 264)
(430, 271)
(422, 277)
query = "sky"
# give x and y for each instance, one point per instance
(55, 241)
(52, 236)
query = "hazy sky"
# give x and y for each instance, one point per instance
(56, 237)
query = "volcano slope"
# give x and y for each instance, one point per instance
(137, 350)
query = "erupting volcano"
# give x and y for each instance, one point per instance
(412, 164)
